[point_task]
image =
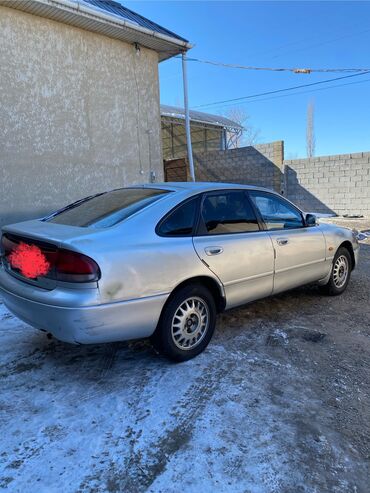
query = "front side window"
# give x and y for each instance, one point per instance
(276, 212)
(181, 221)
(228, 212)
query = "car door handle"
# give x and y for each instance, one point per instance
(213, 250)
(282, 241)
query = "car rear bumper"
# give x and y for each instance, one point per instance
(95, 323)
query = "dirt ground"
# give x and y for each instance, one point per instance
(278, 403)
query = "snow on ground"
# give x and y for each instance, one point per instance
(279, 403)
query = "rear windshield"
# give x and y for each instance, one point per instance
(106, 209)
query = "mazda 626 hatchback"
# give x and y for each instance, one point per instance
(162, 260)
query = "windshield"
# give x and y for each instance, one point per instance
(106, 209)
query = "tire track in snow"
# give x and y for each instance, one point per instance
(149, 460)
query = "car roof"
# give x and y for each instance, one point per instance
(199, 186)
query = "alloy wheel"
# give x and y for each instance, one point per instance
(190, 323)
(340, 271)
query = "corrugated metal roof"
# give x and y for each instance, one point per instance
(118, 9)
(200, 117)
(85, 14)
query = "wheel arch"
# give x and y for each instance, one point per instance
(348, 245)
(210, 283)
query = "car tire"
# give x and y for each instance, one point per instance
(340, 273)
(187, 323)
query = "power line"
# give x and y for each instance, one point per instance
(280, 90)
(278, 69)
(300, 92)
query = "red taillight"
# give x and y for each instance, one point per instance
(63, 265)
(75, 267)
(29, 260)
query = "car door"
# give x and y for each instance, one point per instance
(300, 250)
(230, 242)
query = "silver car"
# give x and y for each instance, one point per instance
(162, 260)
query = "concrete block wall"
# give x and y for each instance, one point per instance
(254, 165)
(327, 184)
(338, 183)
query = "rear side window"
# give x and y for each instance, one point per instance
(181, 221)
(228, 212)
(106, 209)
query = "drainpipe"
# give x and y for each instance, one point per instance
(187, 118)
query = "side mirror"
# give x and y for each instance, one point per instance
(310, 220)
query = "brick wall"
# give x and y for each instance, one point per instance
(339, 183)
(258, 165)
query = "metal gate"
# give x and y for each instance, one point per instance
(176, 170)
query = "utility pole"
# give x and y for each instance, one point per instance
(187, 117)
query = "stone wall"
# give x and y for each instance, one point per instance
(338, 183)
(79, 114)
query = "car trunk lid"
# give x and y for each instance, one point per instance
(30, 248)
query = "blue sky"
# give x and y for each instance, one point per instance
(274, 34)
